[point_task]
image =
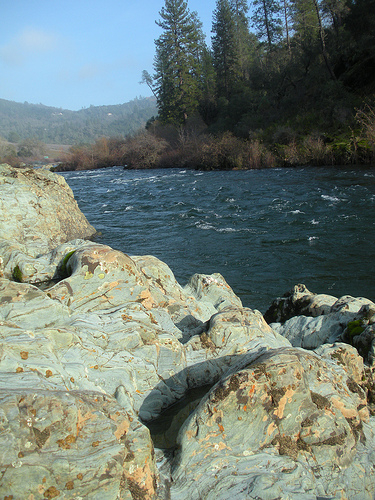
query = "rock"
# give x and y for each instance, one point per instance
(110, 341)
(131, 321)
(73, 444)
(308, 332)
(298, 301)
(111, 329)
(311, 320)
(345, 356)
(349, 304)
(37, 212)
(360, 332)
(288, 425)
(213, 289)
(41, 269)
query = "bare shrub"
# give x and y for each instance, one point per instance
(366, 119)
(144, 151)
(257, 155)
(290, 154)
(315, 151)
(226, 152)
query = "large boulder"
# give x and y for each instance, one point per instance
(122, 330)
(38, 212)
(291, 424)
(60, 444)
(111, 327)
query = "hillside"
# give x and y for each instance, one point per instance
(60, 126)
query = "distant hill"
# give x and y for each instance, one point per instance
(60, 126)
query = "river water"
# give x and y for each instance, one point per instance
(263, 230)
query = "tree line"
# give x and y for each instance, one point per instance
(286, 83)
(291, 61)
(25, 121)
(288, 73)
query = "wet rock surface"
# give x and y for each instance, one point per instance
(112, 341)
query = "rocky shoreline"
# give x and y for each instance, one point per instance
(96, 345)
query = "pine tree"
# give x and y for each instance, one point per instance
(177, 62)
(240, 10)
(266, 20)
(207, 105)
(224, 48)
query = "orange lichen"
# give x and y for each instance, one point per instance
(52, 492)
(146, 299)
(69, 485)
(66, 442)
(279, 411)
(122, 429)
(347, 412)
(252, 390)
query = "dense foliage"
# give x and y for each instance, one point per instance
(296, 71)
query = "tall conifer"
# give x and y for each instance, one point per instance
(224, 48)
(266, 20)
(177, 62)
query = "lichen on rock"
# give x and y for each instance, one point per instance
(110, 341)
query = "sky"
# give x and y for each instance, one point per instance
(72, 54)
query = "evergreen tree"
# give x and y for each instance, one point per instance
(305, 23)
(266, 20)
(240, 9)
(177, 62)
(224, 48)
(207, 106)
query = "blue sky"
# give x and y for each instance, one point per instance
(74, 53)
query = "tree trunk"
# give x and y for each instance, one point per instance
(322, 42)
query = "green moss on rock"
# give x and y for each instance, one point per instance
(354, 328)
(17, 274)
(64, 271)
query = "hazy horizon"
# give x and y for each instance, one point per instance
(72, 55)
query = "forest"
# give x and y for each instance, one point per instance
(22, 121)
(282, 82)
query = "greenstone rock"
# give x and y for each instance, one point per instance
(111, 340)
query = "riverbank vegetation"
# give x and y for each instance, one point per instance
(167, 146)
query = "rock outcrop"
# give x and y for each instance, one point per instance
(38, 213)
(291, 424)
(90, 360)
(308, 320)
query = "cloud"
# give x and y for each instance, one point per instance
(27, 43)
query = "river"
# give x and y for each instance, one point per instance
(263, 230)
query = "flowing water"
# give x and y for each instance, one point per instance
(263, 230)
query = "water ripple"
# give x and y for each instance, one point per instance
(264, 230)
